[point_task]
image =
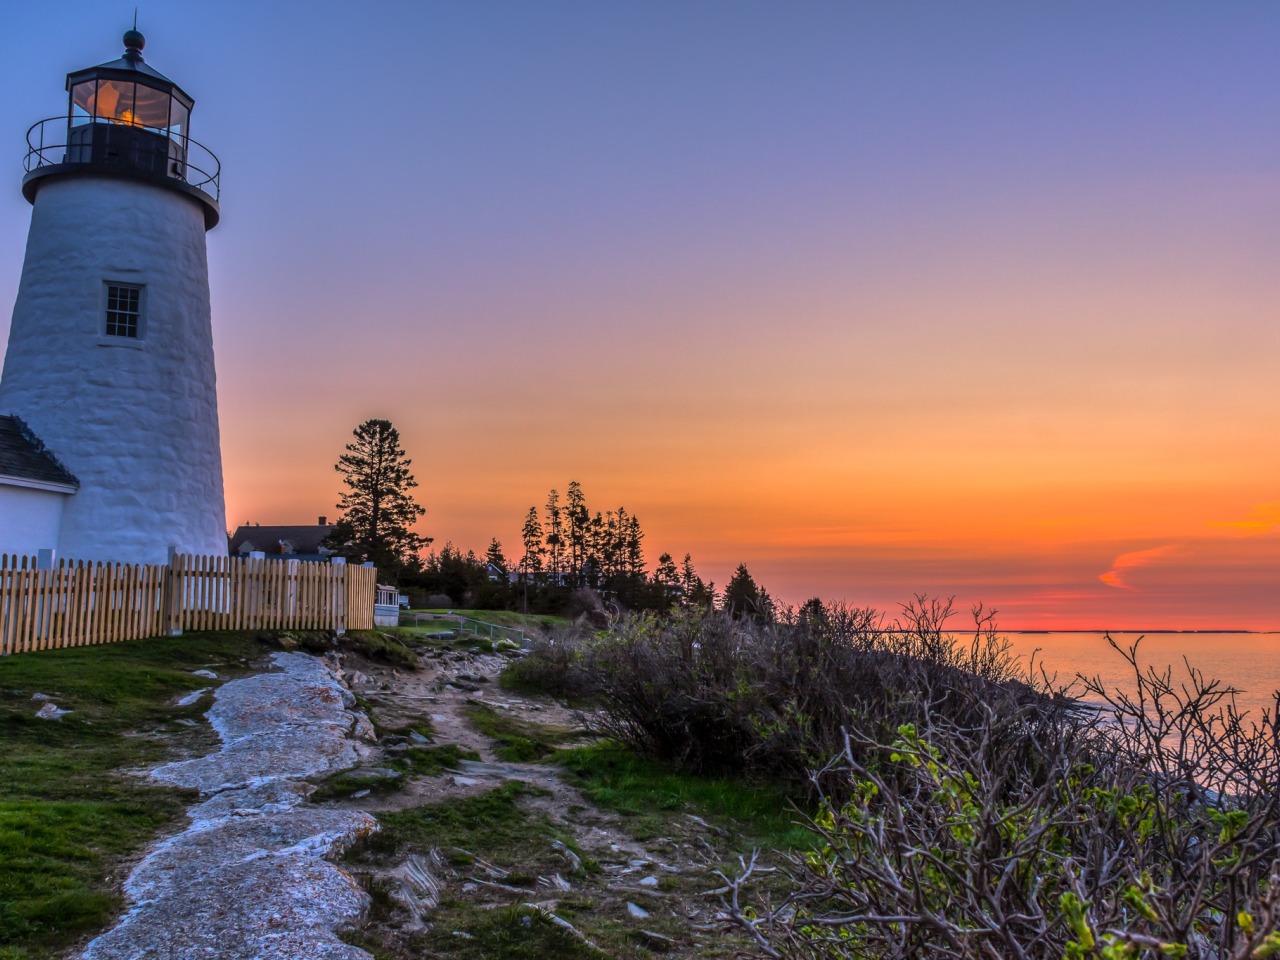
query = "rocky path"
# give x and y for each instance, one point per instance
(253, 875)
(249, 877)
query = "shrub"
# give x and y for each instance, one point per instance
(1148, 829)
(720, 695)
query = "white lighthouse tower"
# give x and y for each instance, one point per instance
(110, 357)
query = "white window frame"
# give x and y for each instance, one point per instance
(116, 339)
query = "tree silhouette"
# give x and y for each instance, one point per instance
(744, 599)
(377, 508)
(531, 534)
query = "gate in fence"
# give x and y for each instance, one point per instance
(76, 603)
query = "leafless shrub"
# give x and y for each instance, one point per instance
(554, 664)
(714, 693)
(1148, 829)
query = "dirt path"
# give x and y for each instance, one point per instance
(623, 895)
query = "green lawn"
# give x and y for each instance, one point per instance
(69, 811)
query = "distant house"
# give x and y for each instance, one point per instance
(295, 542)
(496, 573)
(34, 486)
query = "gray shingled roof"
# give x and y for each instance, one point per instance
(23, 456)
(304, 539)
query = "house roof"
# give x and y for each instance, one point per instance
(24, 457)
(304, 539)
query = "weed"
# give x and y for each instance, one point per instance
(358, 938)
(426, 760)
(491, 821)
(511, 933)
(652, 793)
(384, 646)
(432, 760)
(519, 741)
(381, 903)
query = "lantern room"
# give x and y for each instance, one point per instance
(126, 119)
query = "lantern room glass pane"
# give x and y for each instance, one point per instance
(115, 101)
(83, 99)
(151, 108)
(178, 119)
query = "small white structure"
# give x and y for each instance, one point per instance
(34, 486)
(386, 606)
(110, 356)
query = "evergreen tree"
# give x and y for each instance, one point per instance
(667, 578)
(531, 534)
(696, 593)
(744, 599)
(555, 535)
(377, 508)
(494, 554)
(632, 545)
(578, 520)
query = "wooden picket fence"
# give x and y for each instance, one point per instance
(77, 603)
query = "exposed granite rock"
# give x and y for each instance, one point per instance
(248, 878)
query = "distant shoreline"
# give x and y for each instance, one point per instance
(1128, 631)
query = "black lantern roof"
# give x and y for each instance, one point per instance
(124, 119)
(131, 67)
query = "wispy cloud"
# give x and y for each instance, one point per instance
(1263, 517)
(1129, 561)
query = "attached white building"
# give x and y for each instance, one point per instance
(34, 488)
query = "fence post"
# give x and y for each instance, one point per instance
(339, 615)
(170, 602)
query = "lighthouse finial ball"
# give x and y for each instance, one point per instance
(134, 41)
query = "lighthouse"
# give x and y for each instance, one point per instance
(109, 373)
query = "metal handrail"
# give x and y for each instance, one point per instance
(50, 150)
(513, 634)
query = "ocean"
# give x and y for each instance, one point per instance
(1250, 662)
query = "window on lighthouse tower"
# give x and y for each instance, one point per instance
(124, 311)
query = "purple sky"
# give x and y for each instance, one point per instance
(975, 298)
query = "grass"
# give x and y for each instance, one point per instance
(489, 823)
(507, 618)
(68, 812)
(425, 760)
(385, 646)
(518, 740)
(512, 933)
(498, 828)
(651, 793)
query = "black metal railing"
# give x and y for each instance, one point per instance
(103, 144)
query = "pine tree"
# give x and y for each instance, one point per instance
(697, 594)
(494, 555)
(531, 563)
(377, 508)
(667, 578)
(744, 599)
(633, 549)
(578, 520)
(555, 535)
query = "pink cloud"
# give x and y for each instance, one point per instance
(1137, 558)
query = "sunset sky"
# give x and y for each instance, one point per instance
(978, 299)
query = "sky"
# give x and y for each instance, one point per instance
(976, 300)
